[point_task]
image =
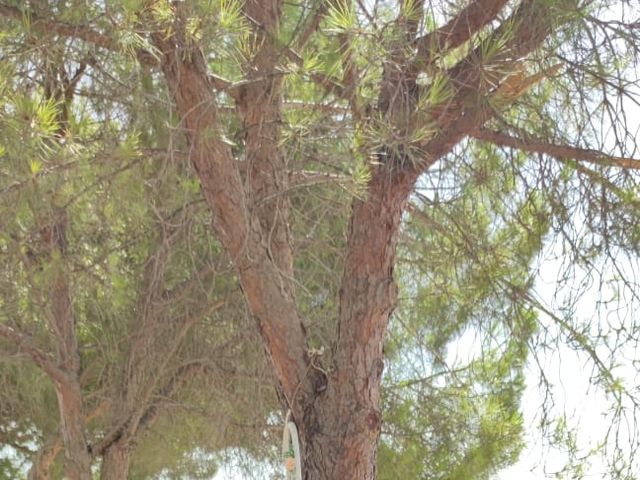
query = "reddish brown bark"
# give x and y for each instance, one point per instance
(77, 459)
(338, 417)
(459, 29)
(262, 270)
(341, 428)
(259, 106)
(115, 462)
(62, 323)
(475, 81)
(538, 145)
(39, 358)
(64, 371)
(44, 459)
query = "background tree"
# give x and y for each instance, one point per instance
(479, 117)
(134, 279)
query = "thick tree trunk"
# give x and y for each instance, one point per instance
(115, 462)
(338, 417)
(62, 322)
(77, 463)
(341, 428)
(339, 438)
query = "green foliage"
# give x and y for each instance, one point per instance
(143, 265)
(457, 418)
(8, 470)
(341, 17)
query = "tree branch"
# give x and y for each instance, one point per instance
(150, 414)
(538, 145)
(94, 37)
(46, 455)
(58, 27)
(311, 25)
(131, 428)
(41, 359)
(396, 97)
(185, 326)
(459, 29)
(43, 459)
(260, 108)
(473, 78)
(239, 231)
(368, 292)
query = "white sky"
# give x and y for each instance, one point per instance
(584, 404)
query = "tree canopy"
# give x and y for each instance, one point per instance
(218, 214)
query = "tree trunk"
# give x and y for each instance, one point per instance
(340, 427)
(43, 461)
(337, 413)
(115, 462)
(77, 463)
(62, 323)
(339, 438)
(338, 417)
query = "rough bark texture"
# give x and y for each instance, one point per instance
(341, 429)
(537, 145)
(62, 323)
(145, 387)
(459, 29)
(115, 462)
(338, 417)
(64, 370)
(77, 459)
(262, 272)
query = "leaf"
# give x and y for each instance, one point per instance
(35, 166)
(341, 17)
(230, 15)
(130, 147)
